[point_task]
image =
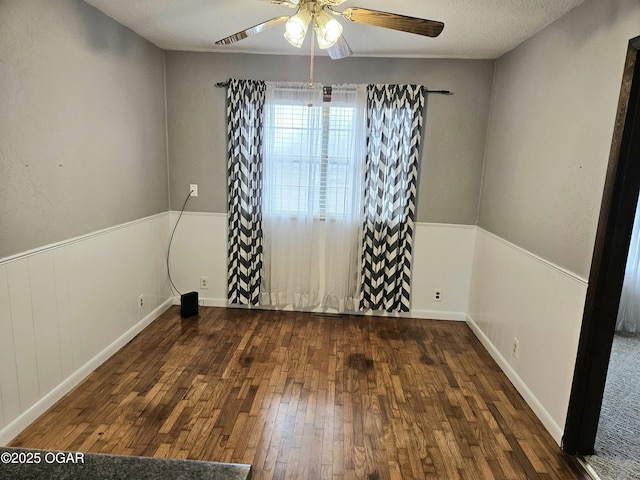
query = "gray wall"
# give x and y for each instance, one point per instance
(82, 123)
(455, 127)
(550, 132)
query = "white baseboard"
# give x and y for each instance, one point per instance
(30, 415)
(547, 420)
(422, 314)
(438, 315)
(206, 301)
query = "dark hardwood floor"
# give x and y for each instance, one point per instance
(302, 397)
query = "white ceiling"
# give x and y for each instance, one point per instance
(473, 28)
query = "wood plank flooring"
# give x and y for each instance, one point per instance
(300, 397)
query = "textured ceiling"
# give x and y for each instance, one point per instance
(473, 29)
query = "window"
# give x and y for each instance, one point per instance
(309, 152)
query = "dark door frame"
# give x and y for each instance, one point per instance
(613, 236)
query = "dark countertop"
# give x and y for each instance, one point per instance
(31, 464)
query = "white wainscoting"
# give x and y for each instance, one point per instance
(442, 259)
(443, 255)
(517, 294)
(199, 249)
(66, 308)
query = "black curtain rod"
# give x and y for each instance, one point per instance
(426, 90)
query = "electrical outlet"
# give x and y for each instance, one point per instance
(140, 302)
(204, 283)
(515, 351)
(193, 188)
(437, 295)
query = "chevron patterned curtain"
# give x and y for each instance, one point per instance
(245, 103)
(394, 128)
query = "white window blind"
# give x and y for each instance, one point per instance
(309, 153)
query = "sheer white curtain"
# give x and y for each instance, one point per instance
(345, 191)
(313, 170)
(629, 309)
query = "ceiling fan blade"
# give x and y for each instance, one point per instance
(252, 30)
(340, 49)
(428, 28)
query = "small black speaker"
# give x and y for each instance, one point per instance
(189, 304)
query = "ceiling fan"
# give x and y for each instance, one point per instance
(327, 30)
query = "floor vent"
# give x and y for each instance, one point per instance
(327, 315)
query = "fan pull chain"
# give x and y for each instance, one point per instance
(313, 51)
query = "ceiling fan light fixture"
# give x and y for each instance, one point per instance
(296, 42)
(296, 27)
(328, 30)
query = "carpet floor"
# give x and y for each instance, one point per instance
(31, 464)
(618, 440)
